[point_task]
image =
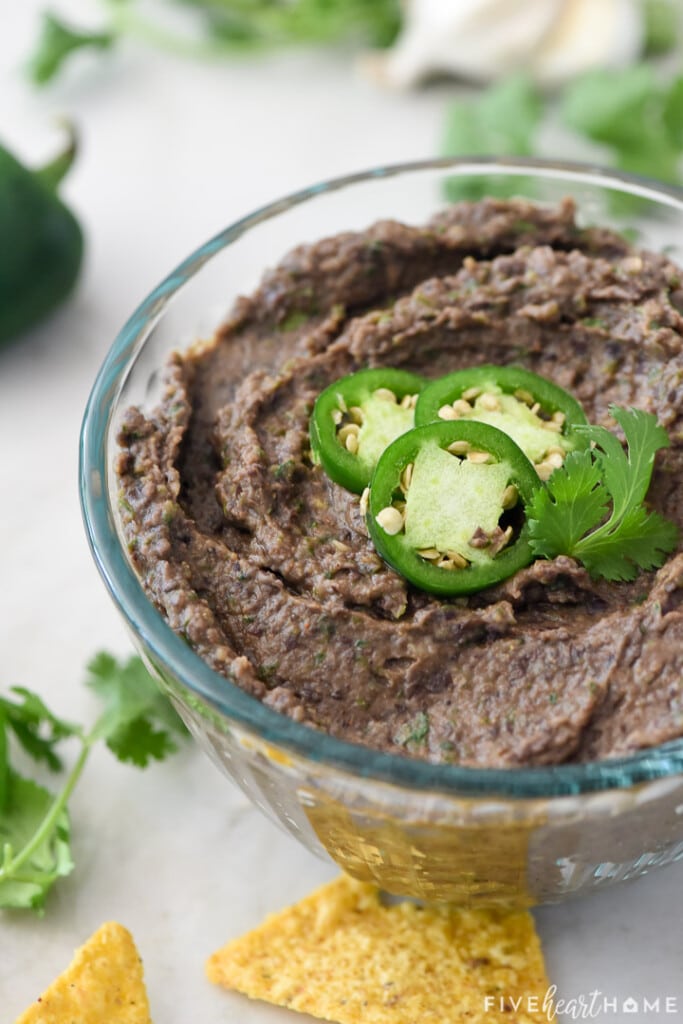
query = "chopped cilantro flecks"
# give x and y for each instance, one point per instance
(294, 320)
(415, 731)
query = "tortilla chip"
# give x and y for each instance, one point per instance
(103, 983)
(342, 955)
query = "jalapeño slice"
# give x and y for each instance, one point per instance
(355, 419)
(537, 414)
(447, 505)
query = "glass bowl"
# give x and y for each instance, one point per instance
(433, 832)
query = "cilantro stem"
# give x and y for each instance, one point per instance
(33, 878)
(123, 21)
(10, 864)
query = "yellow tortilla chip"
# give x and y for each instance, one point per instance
(103, 984)
(342, 955)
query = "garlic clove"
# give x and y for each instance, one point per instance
(482, 40)
(590, 34)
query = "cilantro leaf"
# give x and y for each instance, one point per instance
(634, 114)
(661, 26)
(570, 505)
(569, 516)
(673, 111)
(641, 541)
(24, 814)
(306, 21)
(138, 742)
(137, 718)
(502, 120)
(613, 106)
(36, 728)
(627, 475)
(57, 42)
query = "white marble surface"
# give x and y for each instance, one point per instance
(171, 151)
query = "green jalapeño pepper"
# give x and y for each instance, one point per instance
(537, 414)
(355, 418)
(446, 507)
(42, 243)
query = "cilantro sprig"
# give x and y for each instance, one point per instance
(220, 27)
(631, 118)
(634, 113)
(137, 723)
(592, 508)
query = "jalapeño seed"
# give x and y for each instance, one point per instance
(390, 519)
(478, 457)
(510, 496)
(489, 402)
(459, 448)
(461, 407)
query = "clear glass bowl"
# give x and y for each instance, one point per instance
(436, 832)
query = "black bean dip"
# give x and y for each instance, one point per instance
(264, 565)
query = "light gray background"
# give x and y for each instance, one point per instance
(172, 151)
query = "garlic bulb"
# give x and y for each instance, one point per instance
(481, 40)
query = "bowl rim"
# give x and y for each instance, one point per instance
(223, 695)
